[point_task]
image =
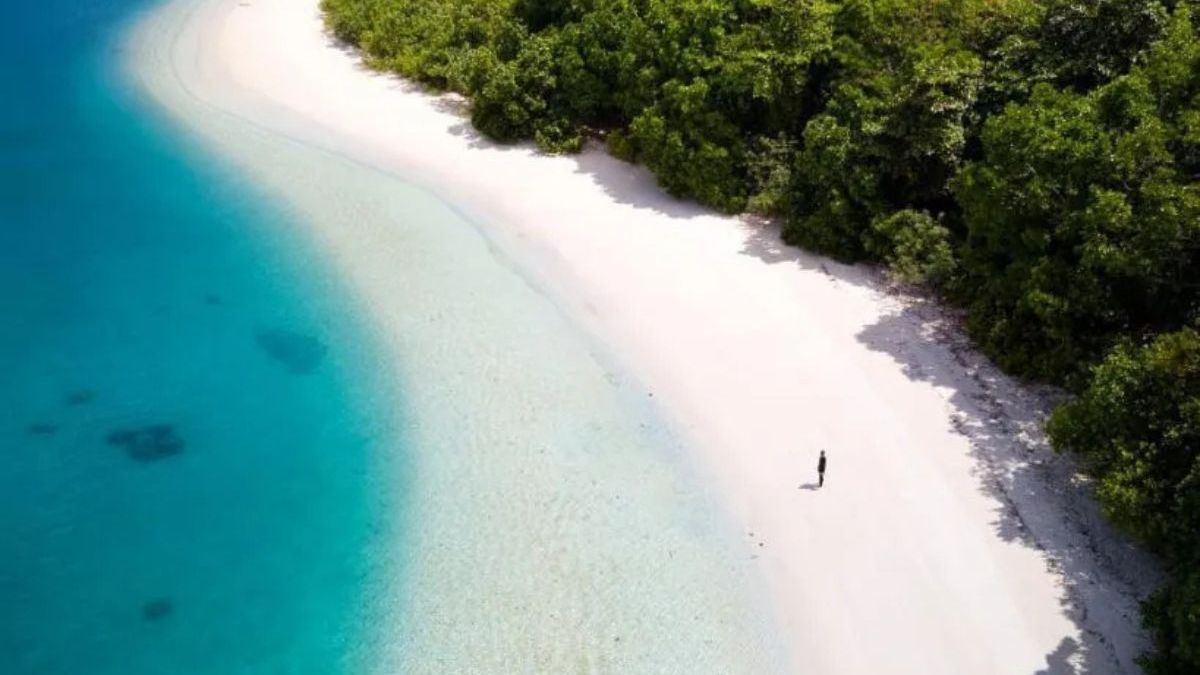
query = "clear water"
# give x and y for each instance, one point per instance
(142, 287)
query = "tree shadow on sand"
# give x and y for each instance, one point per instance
(1041, 500)
(1059, 661)
(623, 182)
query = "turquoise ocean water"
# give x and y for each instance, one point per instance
(191, 416)
(212, 460)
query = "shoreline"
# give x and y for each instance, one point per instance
(760, 355)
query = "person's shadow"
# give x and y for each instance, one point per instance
(810, 486)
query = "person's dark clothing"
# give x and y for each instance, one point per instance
(821, 471)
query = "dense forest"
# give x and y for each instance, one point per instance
(1036, 162)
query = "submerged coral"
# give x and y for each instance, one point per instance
(298, 352)
(156, 609)
(149, 443)
(80, 397)
(42, 429)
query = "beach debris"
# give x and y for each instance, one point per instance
(80, 397)
(157, 609)
(42, 429)
(148, 443)
(299, 353)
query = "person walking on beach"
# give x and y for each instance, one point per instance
(821, 470)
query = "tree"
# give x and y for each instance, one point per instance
(915, 246)
(1138, 426)
(1080, 228)
(1086, 43)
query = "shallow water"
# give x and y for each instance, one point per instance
(178, 494)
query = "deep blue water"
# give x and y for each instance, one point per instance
(191, 413)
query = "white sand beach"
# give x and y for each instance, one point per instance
(948, 538)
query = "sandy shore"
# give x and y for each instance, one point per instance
(947, 539)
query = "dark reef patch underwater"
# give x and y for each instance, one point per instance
(149, 443)
(157, 609)
(299, 353)
(80, 397)
(112, 230)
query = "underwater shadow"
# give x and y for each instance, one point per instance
(299, 353)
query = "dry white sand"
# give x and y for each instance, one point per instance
(947, 538)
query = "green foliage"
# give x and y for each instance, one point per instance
(769, 161)
(420, 38)
(892, 136)
(1036, 160)
(1172, 618)
(1083, 217)
(694, 151)
(1087, 43)
(1138, 426)
(916, 247)
(833, 196)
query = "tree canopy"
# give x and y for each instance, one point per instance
(1138, 427)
